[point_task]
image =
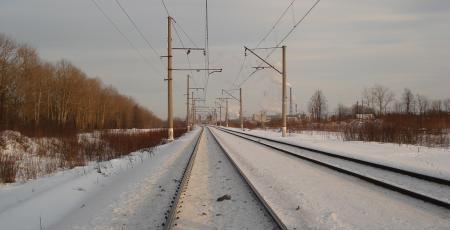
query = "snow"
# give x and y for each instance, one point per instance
(430, 189)
(132, 192)
(429, 161)
(306, 195)
(213, 176)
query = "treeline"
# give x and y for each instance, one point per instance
(379, 101)
(382, 117)
(41, 98)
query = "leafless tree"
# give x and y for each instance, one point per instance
(383, 96)
(378, 98)
(436, 106)
(422, 104)
(318, 105)
(38, 94)
(408, 101)
(446, 105)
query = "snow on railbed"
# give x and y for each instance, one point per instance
(430, 161)
(130, 192)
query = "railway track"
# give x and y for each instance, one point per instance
(172, 213)
(424, 187)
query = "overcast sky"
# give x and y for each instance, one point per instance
(340, 48)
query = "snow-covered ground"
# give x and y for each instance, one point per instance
(430, 161)
(308, 196)
(214, 176)
(128, 193)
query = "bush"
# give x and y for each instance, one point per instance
(8, 168)
(69, 151)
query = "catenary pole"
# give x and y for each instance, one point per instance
(169, 80)
(226, 113)
(188, 126)
(241, 117)
(283, 109)
(193, 111)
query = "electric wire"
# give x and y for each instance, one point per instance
(124, 36)
(275, 24)
(179, 38)
(185, 34)
(282, 40)
(165, 7)
(138, 30)
(182, 45)
(263, 39)
(206, 48)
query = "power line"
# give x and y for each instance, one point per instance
(298, 23)
(263, 39)
(124, 36)
(284, 38)
(185, 34)
(138, 30)
(240, 70)
(179, 37)
(165, 7)
(182, 45)
(206, 47)
(275, 24)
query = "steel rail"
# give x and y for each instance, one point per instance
(261, 199)
(381, 183)
(372, 164)
(182, 186)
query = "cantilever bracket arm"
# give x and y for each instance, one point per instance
(197, 88)
(230, 95)
(197, 69)
(215, 71)
(262, 59)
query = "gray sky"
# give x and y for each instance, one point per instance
(342, 47)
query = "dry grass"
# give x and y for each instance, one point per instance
(50, 154)
(8, 168)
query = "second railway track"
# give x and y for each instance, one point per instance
(429, 189)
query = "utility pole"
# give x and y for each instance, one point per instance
(190, 115)
(283, 74)
(241, 118)
(169, 79)
(169, 75)
(291, 108)
(283, 111)
(240, 109)
(193, 111)
(226, 114)
(187, 106)
(220, 112)
(226, 108)
(220, 115)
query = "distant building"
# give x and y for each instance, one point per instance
(293, 117)
(260, 117)
(365, 116)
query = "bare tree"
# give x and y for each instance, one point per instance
(422, 104)
(408, 101)
(436, 106)
(446, 105)
(35, 95)
(368, 99)
(398, 107)
(318, 105)
(382, 97)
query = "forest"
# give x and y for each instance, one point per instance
(39, 98)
